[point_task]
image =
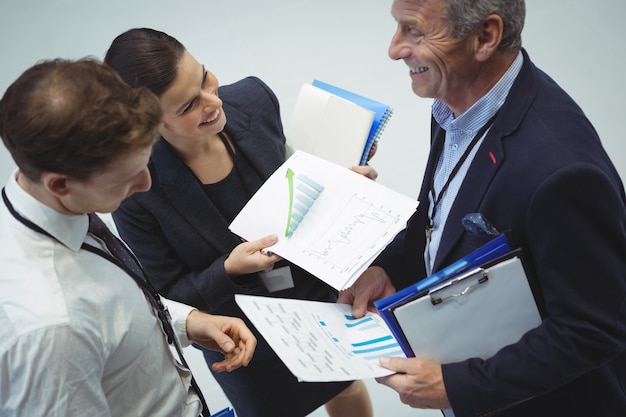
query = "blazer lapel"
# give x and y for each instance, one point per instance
(185, 194)
(488, 159)
(240, 130)
(484, 166)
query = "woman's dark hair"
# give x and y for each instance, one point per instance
(145, 57)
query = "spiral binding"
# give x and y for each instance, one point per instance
(375, 133)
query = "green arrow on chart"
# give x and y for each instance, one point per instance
(289, 176)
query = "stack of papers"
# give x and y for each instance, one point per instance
(330, 221)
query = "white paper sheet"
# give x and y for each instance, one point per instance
(330, 221)
(328, 126)
(321, 342)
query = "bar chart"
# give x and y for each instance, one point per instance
(321, 341)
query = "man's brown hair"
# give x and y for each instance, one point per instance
(75, 118)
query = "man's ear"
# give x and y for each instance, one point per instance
(56, 184)
(489, 37)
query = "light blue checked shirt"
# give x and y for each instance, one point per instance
(459, 134)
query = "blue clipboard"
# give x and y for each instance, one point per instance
(493, 249)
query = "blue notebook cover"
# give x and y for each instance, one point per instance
(382, 113)
(493, 249)
(227, 412)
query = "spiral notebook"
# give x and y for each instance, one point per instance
(336, 124)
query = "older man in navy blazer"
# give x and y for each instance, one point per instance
(540, 173)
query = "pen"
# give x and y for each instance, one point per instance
(266, 252)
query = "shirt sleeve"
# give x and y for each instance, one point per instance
(179, 312)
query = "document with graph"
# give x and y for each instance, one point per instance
(330, 220)
(321, 342)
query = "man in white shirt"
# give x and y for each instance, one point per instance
(77, 334)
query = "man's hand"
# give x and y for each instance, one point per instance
(365, 170)
(228, 335)
(419, 382)
(372, 285)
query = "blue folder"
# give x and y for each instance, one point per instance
(382, 113)
(493, 249)
(227, 412)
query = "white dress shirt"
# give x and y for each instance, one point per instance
(77, 336)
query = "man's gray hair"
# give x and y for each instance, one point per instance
(465, 15)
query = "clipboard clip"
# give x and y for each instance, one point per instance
(445, 291)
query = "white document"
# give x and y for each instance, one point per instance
(329, 127)
(321, 342)
(330, 220)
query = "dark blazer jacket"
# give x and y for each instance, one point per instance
(542, 175)
(182, 239)
(179, 235)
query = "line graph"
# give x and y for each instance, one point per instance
(348, 237)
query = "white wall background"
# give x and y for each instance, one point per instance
(343, 42)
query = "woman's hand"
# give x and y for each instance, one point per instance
(247, 258)
(365, 170)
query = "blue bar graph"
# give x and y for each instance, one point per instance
(371, 338)
(372, 341)
(307, 191)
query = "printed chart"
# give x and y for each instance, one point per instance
(301, 199)
(329, 220)
(359, 227)
(320, 341)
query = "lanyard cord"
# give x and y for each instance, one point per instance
(455, 170)
(141, 282)
(149, 291)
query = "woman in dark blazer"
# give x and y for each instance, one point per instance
(218, 145)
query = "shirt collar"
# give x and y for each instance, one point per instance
(70, 230)
(481, 111)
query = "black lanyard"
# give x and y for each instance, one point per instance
(455, 170)
(141, 282)
(149, 291)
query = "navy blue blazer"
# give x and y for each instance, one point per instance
(542, 174)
